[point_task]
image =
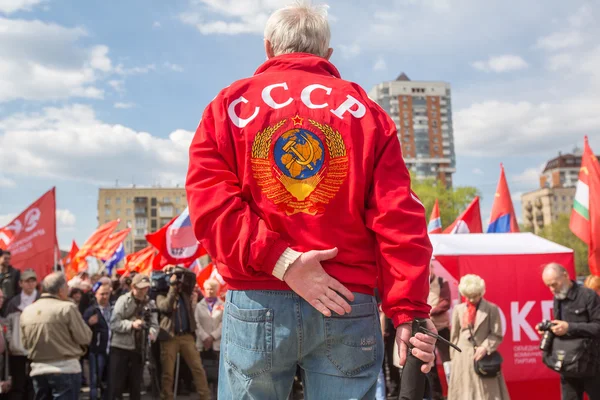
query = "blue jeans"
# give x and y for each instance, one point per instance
(57, 386)
(267, 333)
(380, 393)
(98, 363)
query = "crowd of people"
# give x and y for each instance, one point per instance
(108, 333)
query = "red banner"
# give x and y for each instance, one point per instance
(33, 236)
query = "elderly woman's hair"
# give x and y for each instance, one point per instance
(299, 28)
(471, 286)
(54, 282)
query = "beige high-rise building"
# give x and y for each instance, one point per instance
(555, 196)
(144, 209)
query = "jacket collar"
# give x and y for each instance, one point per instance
(573, 291)
(299, 61)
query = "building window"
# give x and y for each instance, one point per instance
(129, 200)
(107, 201)
(435, 139)
(153, 212)
(153, 224)
(436, 148)
(434, 123)
(107, 212)
(434, 113)
(166, 200)
(564, 198)
(153, 202)
(118, 212)
(177, 200)
(140, 232)
(128, 212)
(166, 210)
(118, 201)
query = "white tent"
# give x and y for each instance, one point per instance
(494, 243)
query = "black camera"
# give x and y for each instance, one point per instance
(546, 342)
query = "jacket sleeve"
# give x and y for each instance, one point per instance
(119, 322)
(200, 331)
(444, 303)
(216, 205)
(397, 217)
(492, 342)
(80, 332)
(591, 328)
(454, 330)
(166, 303)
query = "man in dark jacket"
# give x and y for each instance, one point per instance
(9, 279)
(178, 321)
(576, 315)
(97, 317)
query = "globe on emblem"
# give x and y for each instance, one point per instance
(299, 154)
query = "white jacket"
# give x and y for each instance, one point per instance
(209, 324)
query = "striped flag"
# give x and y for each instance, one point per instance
(435, 221)
(585, 217)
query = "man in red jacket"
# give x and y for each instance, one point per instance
(297, 188)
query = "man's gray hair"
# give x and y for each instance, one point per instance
(557, 268)
(299, 28)
(54, 282)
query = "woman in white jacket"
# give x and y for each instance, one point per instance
(209, 321)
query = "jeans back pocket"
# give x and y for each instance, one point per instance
(352, 339)
(249, 340)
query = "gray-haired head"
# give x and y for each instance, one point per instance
(53, 283)
(558, 269)
(299, 28)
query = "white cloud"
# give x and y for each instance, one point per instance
(11, 6)
(530, 177)
(174, 67)
(117, 85)
(5, 219)
(121, 70)
(6, 182)
(516, 197)
(230, 17)
(380, 65)
(477, 171)
(65, 219)
(349, 51)
(560, 40)
(124, 105)
(156, 24)
(504, 63)
(99, 59)
(41, 61)
(71, 143)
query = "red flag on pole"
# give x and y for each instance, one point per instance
(31, 237)
(68, 262)
(111, 244)
(469, 221)
(585, 217)
(94, 243)
(435, 221)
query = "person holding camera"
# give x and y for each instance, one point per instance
(571, 341)
(132, 324)
(178, 321)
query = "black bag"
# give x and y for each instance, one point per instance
(490, 365)
(573, 357)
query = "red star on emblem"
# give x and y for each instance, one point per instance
(297, 120)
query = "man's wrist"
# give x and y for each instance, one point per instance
(288, 257)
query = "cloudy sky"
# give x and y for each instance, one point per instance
(95, 92)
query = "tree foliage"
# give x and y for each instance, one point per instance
(560, 233)
(453, 201)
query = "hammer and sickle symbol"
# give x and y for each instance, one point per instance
(291, 147)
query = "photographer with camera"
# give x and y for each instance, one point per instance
(178, 321)
(571, 342)
(133, 322)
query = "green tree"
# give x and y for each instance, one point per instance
(453, 201)
(560, 233)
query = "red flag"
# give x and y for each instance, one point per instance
(585, 217)
(95, 242)
(68, 262)
(111, 244)
(176, 242)
(435, 221)
(469, 221)
(503, 218)
(31, 237)
(140, 261)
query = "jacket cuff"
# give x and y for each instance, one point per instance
(273, 253)
(402, 317)
(286, 259)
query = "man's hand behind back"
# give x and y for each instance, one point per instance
(308, 279)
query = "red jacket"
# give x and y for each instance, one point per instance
(297, 157)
